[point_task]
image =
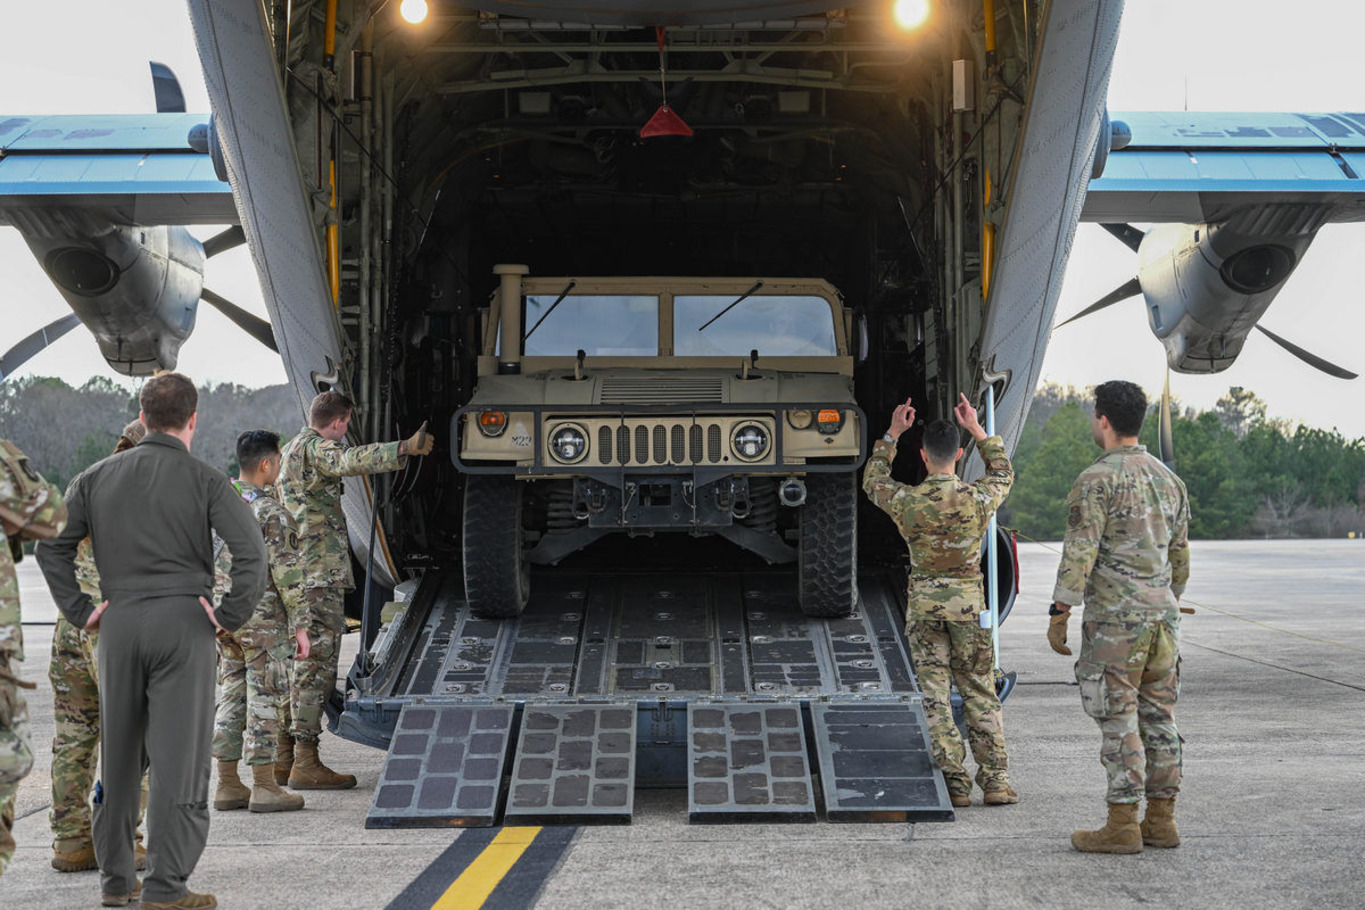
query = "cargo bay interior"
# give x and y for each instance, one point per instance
(836, 144)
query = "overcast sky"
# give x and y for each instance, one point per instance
(1202, 54)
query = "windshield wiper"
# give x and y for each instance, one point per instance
(558, 300)
(737, 301)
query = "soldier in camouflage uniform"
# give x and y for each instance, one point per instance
(254, 661)
(943, 520)
(315, 461)
(1127, 556)
(30, 508)
(74, 673)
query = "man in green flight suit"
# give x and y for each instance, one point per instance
(30, 509)
(315, 461)
(943, 521)
(1127, 556)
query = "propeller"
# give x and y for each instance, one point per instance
(1165, 440)
(18, 355)
(1130, 288)
(250, 323)
(1313, 360)
(169, 98)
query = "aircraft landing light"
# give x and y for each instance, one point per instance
(911, 13)
(414, 11)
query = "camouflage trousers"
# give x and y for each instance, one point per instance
(315, 676)
(16, 756)
(253, 690)
(961, 653)
(1129, 676)
(73, 671)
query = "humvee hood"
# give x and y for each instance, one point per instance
(662, 387)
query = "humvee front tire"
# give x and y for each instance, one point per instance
(827, 552)
(497, 577)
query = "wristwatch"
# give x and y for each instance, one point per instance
(889, 438)
(1053, 611)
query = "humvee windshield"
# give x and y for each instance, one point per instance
(602, 325)
(627, 325)
(775, 326)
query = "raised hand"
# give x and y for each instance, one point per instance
(966, 418)
(902, 417)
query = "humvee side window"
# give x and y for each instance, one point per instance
(777, 326)
(603, 325)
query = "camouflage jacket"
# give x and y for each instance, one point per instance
(310, 488)
(943, 521)
(1126, 552)
(30, 508)
(285, 590)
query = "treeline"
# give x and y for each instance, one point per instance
(1248, 475)
(64, 430)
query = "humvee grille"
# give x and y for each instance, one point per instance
(660, 443)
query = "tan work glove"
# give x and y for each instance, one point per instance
(1056, 632)
(419, 443)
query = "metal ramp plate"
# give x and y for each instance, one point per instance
(444, 767)
(574, 763)
(875, 763)
(747, 762)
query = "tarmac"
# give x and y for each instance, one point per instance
(1272, 712)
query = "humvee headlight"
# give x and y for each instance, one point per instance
(492, 423)
(799, 418)
(569, 443)
(750, 441)
(829, 420)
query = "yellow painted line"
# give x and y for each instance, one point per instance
(477, 881)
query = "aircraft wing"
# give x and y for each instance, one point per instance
(1198, 168)
(131, 168)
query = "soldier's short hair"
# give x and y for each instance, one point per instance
(167, 401)
(941, 442)
(1124, 403)
(253, 446)
(327, 407)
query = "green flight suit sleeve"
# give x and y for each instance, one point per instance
(887, 494)
(231, 518)
(995, 486)
(1179, 550)
(286, 565)
(1086, 510)
(57, 559)
(332, 459)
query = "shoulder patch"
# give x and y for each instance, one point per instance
(292, 539)
(1076, 517)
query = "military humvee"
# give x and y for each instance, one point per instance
(710, 406)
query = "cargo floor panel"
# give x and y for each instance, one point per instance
(444, 767)
(574, 764)
(622, 636)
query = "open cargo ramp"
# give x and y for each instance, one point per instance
(609, 681)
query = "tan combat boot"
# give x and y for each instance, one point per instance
(1158, 828)
(310, 773)
(190, 901)
(1000, 795)
(231, 792)
(284, 758)
(1121, 834)
(266, 795)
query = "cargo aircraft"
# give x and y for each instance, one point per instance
(929, 160)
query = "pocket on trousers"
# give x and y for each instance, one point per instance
(1094, 689)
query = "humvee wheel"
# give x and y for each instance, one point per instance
(828, 548)
(497, 577)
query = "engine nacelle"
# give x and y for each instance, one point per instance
(135, 288)
(1206, 286)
